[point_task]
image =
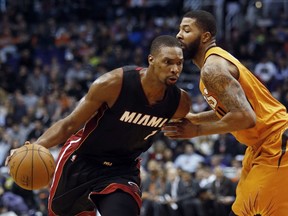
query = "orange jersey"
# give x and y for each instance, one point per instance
(271, 114)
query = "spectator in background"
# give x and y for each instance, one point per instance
(204, 144)
(36, 131)
(108, 26)
(37, 81)
(27, 195)
(199, 105)
(5, 145)
(30, 98)
(189, 160)
(7, 45)
(266, 70)
(19, 107)
(16, 133)
(189, 198)
(173, 190)
(228, 147)
(152, 189)
(223, 190)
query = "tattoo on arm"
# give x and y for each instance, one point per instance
(228, 90)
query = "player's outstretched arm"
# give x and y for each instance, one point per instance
(103, 90)
(219, 80)
(202, 117)
(59, 132)
(220, 77)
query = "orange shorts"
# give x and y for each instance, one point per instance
(263, 186)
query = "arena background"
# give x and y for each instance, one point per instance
(51, 51)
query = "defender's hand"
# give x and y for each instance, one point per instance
(182, 129)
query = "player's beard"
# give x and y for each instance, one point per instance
(190, 50)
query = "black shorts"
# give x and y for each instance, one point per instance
(77, 178)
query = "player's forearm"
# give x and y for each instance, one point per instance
(203, 117)
(229, 123)
(55, 135)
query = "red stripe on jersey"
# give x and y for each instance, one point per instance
(71, 145)
(128, 189)
(139, 68)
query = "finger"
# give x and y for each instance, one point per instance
(172, 123)
(171, 133)
(27, 143)
(175, 137)
(9, 157)
(7, 160)
(168, 128)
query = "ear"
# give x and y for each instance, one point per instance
(150, 59)
(206, 36)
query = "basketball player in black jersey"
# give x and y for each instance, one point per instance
(98, 167)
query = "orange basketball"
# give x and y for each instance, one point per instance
(32, 166)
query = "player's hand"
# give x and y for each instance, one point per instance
(182, 129)
(12, 152)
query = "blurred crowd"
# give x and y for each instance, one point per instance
(50, 53)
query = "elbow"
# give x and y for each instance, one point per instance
(251, 120)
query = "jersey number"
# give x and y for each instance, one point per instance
(210, 100)
(151, 134)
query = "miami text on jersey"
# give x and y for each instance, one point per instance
(143, 119)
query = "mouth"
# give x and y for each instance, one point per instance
(182, 44)
(173, 79)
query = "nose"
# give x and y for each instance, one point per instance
(179, 35)
(175, 69)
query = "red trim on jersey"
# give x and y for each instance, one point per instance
(114, 186)
(67, 150)
(139, 68)
(71, 145)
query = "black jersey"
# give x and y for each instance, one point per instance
(124, 130)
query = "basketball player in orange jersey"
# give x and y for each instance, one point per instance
(244, 107)
(98, 167)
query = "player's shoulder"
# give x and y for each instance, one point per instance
(108, 86)
(110, 77)
(113, 78)
(109, 82)
(128, 68)
(219, 58)
(214, 59)
(116, 75)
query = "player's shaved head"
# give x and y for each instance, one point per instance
(163, 41)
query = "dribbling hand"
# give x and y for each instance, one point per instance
(12, 152)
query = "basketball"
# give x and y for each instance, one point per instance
(31, 166)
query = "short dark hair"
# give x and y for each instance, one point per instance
(205, 20)
(163, 41)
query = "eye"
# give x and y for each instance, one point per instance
(167, 62)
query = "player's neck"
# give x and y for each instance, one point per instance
(199, 59)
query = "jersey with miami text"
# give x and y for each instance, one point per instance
(124, 130)
(271, 114)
